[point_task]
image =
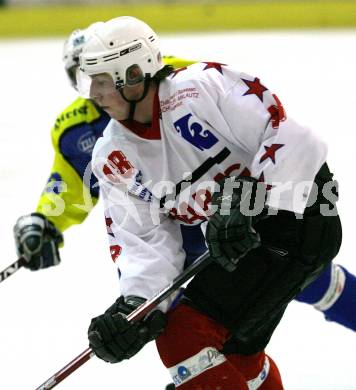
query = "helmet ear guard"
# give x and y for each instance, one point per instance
(134, 75)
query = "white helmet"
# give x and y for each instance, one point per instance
(72, 47)
(124, 47)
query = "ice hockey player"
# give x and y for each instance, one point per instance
(38, 235)
(74, 134)
(203, 143)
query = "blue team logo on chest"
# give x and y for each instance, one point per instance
(194, 133)
(86, 142)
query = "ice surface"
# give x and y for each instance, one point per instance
(45, 315)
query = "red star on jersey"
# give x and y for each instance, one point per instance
(271, 152)
(214, 65)
(254, 88)
(177, 71)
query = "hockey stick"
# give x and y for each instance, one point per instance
(135, 316)
(12, 269)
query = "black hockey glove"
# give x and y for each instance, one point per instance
(37, 240)
(230, 234)
(113, 338)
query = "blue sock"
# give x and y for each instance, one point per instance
(334, 293)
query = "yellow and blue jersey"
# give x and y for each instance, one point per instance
(69, 196)
(71, 190)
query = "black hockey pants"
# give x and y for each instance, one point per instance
(251, 300)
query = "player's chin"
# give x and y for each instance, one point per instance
(109, 110)
(118, 115)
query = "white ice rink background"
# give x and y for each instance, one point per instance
(45, 315)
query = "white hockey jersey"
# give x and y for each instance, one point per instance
(208, 121)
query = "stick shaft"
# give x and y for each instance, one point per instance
(67, 370)
(135, 316)
(10, 270)
(187, 274)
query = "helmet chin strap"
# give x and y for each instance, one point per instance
(133, 103)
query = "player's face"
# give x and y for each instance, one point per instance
(105, 94)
